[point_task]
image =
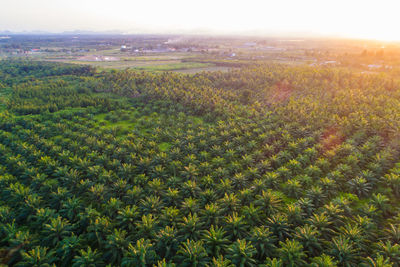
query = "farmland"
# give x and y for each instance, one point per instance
(191, 54)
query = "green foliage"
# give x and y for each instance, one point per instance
(268, 165)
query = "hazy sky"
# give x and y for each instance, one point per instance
(350, 18)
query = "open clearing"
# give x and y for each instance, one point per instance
(149, 65)
(211, 68)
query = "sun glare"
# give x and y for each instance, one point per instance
(354, 19)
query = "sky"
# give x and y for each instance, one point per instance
(367, 19)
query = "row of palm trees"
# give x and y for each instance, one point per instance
(188, 173)
(183, 197)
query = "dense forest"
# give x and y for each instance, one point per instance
(268, 165)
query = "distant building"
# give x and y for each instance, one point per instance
(125, 48)
(98, 58)
(374, 66)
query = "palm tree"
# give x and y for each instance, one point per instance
(71, 208)
(295, 214)
(142, 254)
(322, 223)
(234, 166)
(211, 214)
(190, 227)
(292, 187)
(190, 171)
(246, 196)
(67, 249)
(151, 204)
(360, 186)
(229, 203)
(313, 171)
(155, 186)
(284, 173)
(342, 249)
(247, 160)
(369, 210)
(167, 241)
(190, 188)
(335, 213)
(393, 180)
(369, 176)
(380, 261)
(323, 261)
(120, 187)
(264, 165)
(309, 237)
(207, 181)
(112, 207)
(381, 202)
(291, 253)
(279, 225)
(236, 226)
(172, 196)
(251, 214)
(89, 258)
(115, 244)
(225, 186)
(274, 262)
(355, 234)
(239, 181)
(163, 263)
(56, 230)
(96, 193)
(215, 240)
(192, 253)
(147, 226)
(127, 216)
(294, 166)
(38, 256)
(190, 205)
(221, 262)
(393, 233)
(141, 180)
(316, 194)
(390, 251)
(259, 185)
(169, 216)
(263, 241)
(252, 173)
(242, 253)
(133, 195)
(42, 216)
(328, 186)
(269, 202)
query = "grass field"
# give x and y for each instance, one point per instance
(210, 68)
(129, 122)
(170, 61)
(124, 64)
(175, 66)
(159, 64)
(186, 62)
